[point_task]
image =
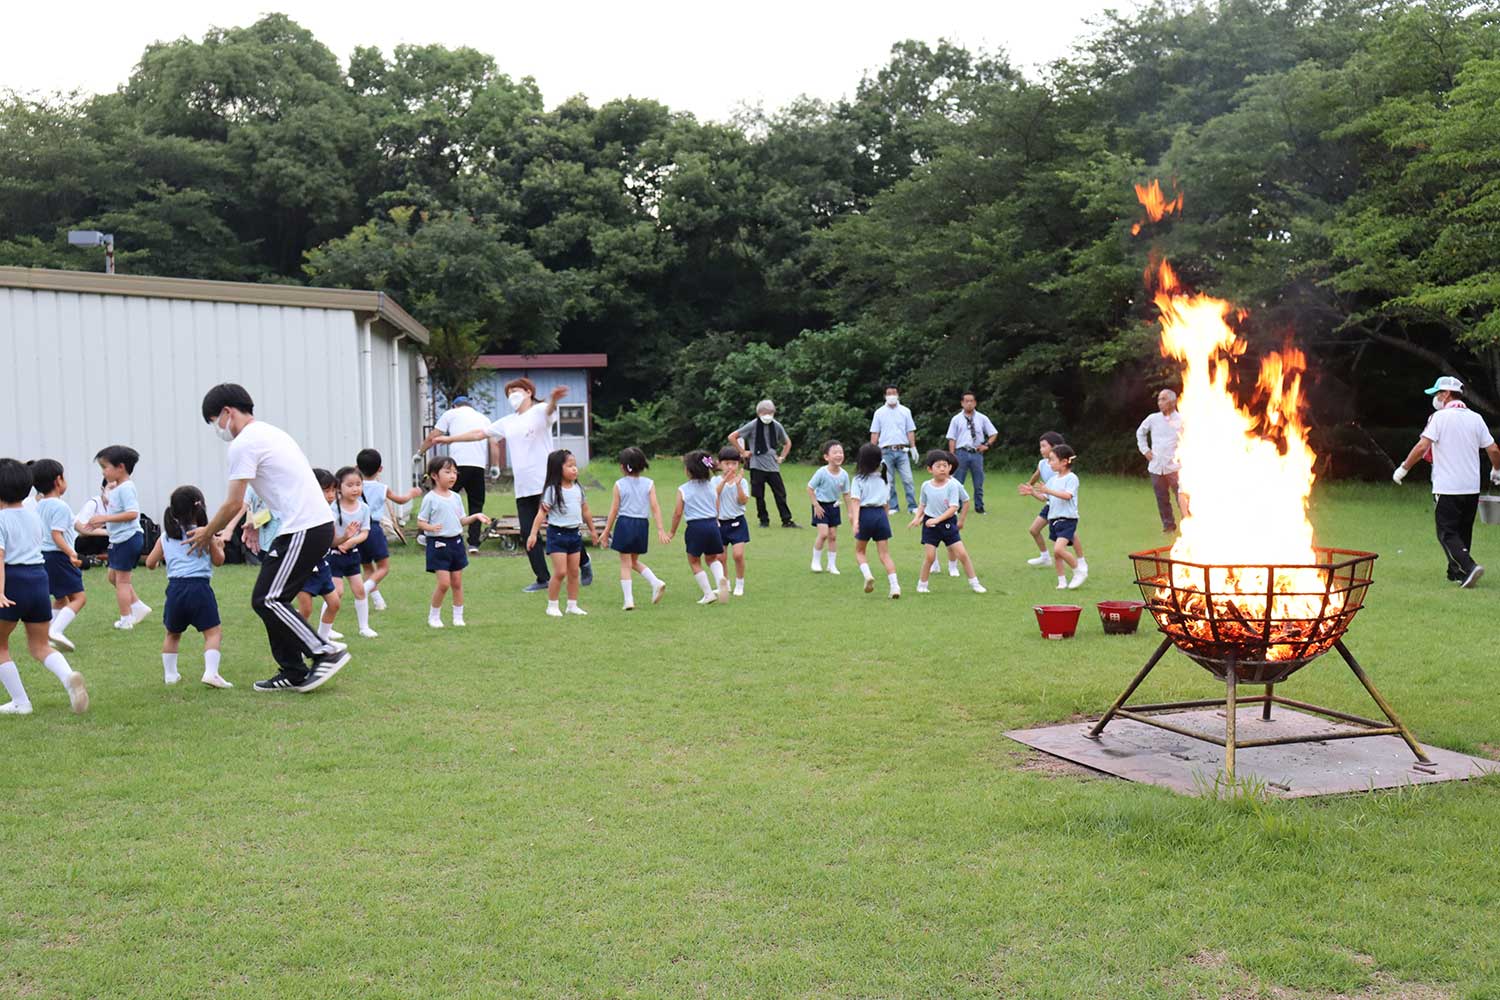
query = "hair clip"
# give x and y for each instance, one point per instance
(708, 461)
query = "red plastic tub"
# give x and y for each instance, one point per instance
(1057, 621)
(1120, 617)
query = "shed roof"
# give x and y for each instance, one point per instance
(513, 361)
(374, 304)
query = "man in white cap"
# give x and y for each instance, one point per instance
(1454, 437)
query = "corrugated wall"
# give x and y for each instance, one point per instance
(87, 371)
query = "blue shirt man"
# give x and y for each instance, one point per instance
(895, 431)
(970, 435)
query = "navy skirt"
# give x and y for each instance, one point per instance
(190, 604)
(874, 525)
(27, 587)
(702, 537)
(631, 534)
(63, 578)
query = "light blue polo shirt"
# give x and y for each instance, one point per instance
(569, 512)
(730, 505)
(937, 499)
(827, 487)
(635, 496)
(445, 512)
(21, 536)
(1057, 506)
(893, 424)
(56, 516)
(872, 491)
(699, 500)
(183, 563)
(121, 499)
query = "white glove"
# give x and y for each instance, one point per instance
(418, 458)
(494, 472)
(1495, 477)
(1398, 475)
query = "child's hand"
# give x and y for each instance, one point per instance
(77, 562)
(485, 519)
(598, 540)
(663, 537)
(6, 602)
(1024, 489)
(97, 521)
(531, 541)
(818, 508)
(915, 521)
(932, 522)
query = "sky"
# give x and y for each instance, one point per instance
(693, 55)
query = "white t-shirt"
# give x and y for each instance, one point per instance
(528, 441)
(461, 420)
(280, 473)
(1458, 435)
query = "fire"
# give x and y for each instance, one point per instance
(1155, 202)
(1247, 472)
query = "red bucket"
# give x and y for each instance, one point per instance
(1120, 617)
(1057, 621)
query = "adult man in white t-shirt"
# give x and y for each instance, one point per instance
(1156, 438)
(469, 456)
(266, 458)
(528, 442)
(1454, 437)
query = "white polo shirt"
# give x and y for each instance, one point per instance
(528, 442)
(1163, 432)
(893, 424)
(1458, 435)
(461, 420)
(280, 474)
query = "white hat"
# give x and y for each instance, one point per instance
(1445, 383)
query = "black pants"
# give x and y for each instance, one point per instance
(284, 568)
(471, 482)
(528, 509)
(1454, 514)
(759, 479)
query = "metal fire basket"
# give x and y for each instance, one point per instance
(1255, 624)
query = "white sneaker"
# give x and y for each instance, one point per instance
(952, 570)
(835, 571)
(895, 593)
(78, 695)
(1040, 559)
(434, 623)
(377, 601)
(923, 589)
(709, 599)
(1062, 585)
(124, 624)
(978, 588)
(458, 623)
(629, 606)
(554, 612)
(11, 708)
(739, 590)
(215, 681)
(61, 642)
(1079, 575)
(576, 611)
(723, 594)
(137, 617)
(337, 647)
(869, 585)
(172, 680)
(369, 633)
(656, 593)
(817, 567)
(335, 635)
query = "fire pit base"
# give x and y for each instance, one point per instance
(1362, 727)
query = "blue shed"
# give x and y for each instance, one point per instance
(547, 371)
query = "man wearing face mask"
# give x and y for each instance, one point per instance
(469, 456)
(896, 432)
(765, 444)
(267, 459)
(528, 442)
(1453, 438)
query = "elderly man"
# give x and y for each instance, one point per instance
(1454, 437)
(970, 435)
(1156, 437)
(470, 456)
(765, 444)
(894, 430)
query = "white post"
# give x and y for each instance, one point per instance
(367, 349)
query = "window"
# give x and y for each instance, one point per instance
(571, 422)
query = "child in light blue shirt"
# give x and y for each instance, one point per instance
(699, 503)
(941, 511)
(64, 582)
(827, 490)
(1061, 492)
(126, 539)
(190, 593)
(734, 526)
(351, 526)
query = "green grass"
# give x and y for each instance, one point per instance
(805, 794)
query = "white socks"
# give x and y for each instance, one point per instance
(650, 577)
(629, 587)
(717, 568)
(458, 614)
(891, 577)
(702, 579)
(739, 587)
(58, 664)
(11, 678)
(434, 614)
(62, 619)
(952, 567)
(169, 668)
(372, 592)
(323, 629)
(210, 663)
(833, 561)
(362, 612)
(864, 569)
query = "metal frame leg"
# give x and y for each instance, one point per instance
(1265, 712)
(1161, 651)
(1380, 700)
(1231, 683)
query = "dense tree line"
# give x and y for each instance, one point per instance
(955, 223)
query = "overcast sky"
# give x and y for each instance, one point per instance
(693, 55)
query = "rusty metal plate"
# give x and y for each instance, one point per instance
(1153, 756)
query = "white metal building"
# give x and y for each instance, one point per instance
(92, 360)
(575, 413)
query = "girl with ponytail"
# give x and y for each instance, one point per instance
(190, 595)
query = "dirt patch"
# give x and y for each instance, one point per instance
(1490, 750)
(1235, 983)
(1049, 766)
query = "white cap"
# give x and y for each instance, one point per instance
(1445, 383)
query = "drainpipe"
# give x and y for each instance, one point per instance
(366, 349)
(396, 390)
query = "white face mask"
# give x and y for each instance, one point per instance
(766, 418)
(1437, 404)
(892, 400)
(223, 433)
(516, 398)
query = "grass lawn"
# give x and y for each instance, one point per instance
(805, 794)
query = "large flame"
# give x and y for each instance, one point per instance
(1247, 472)
(1156, 203)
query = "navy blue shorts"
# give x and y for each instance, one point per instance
(565, 541)
(343, 564)
(703, 538)
(27, 587)
(63, 578)
(446, 555)
(374, 547)
(735, 531)
(1062, 527)
(874, 525)
(631, 534)
(190, 604)
(833, 516)
(1043, 512)
(321, 580)
(124, 556)
(945, 533)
